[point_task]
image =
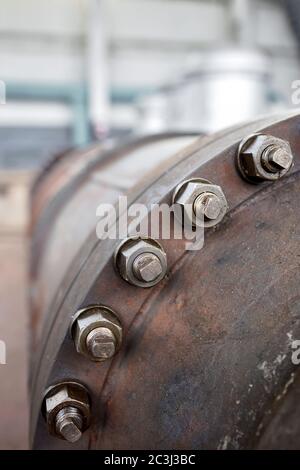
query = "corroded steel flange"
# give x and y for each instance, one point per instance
(206, 352)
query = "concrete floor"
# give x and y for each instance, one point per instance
(13, 331)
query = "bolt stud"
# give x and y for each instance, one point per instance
(69, 423)
(147, 267)
(141, 262)
(199, 203)
(264, 157)
(207, 205)
(101, 343)
(66, 409)
(97, 332)
(276, 159)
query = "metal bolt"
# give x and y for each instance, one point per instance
(141, 262)
(199, 203)
(68, 423)
(276, 159)
(97, 332)
(264, 157)
(147, 267)
(207, 205)
(66, 409)
(101, 343)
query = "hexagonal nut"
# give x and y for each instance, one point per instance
(185, 196)
(129, 251)
(250, 158)
(61, 396)
(90, 318)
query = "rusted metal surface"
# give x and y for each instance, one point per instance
(281, 427)
(206, 351)
(70, 215)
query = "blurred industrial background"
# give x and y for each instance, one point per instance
(80, 70)
(77, 69)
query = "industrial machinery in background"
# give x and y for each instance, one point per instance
(231, 85)
(225, 85)
(144, 344)
(92, 68)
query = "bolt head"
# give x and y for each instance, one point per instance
(69, 424)
(97, 333)
(101, 343)
(70, 431)
(141, 262)
(147, 267)
(207, 205)
(200, 203)
(63, 396)
(263, 157)
(279, 158)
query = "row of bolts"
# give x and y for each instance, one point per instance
(96, 330)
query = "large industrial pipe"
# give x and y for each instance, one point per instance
(145, 344)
